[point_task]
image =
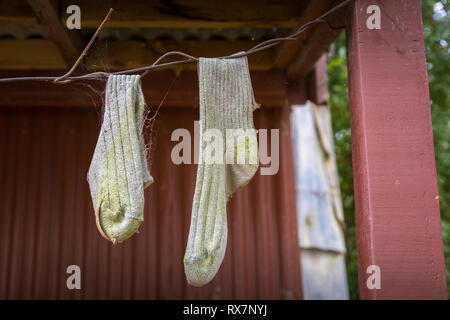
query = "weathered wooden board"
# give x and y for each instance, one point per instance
(319, 206)
(324, 275)
(319, 227)
(41, 54)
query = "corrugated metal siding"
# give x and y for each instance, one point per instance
(47, 221)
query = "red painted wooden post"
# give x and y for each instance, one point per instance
(396, 197)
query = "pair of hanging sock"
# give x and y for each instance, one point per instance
(226, 110)
(118, 173)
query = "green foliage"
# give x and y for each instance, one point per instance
(446, 236)
(436, 33)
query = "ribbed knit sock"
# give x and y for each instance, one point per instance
(118, 172)
(226, 102)
(241, 143)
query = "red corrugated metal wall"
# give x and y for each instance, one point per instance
(47, 221)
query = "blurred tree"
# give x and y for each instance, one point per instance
(436, 32)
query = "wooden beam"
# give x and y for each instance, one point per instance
(32, 54)
(192, 14)
(296, 93)
(130, 54)
(289, 49)
(317, 43)
(69, 42)
(398, 226)
(173, 14)
(16, 12)
(269, 87)
(39, 54)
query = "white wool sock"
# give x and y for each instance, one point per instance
(118, 172)
(226, 102)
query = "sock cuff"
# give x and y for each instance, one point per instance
(225, 85)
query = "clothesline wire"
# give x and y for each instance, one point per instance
(67, 77)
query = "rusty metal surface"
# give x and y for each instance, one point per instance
(47, 221)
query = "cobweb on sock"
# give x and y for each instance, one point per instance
(96, 94)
